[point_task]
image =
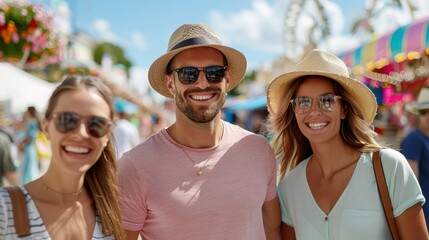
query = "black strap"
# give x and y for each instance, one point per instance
(193, 41)
(20, 213)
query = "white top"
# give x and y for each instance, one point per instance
(37, 227)
(358, 213)
(126, 136)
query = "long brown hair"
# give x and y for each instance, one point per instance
(291, 146)
(102, 178)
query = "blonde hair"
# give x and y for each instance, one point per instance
(291, 146)
(102, 178)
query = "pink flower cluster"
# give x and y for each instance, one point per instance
(27, 33)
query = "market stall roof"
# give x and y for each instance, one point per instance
(22, 89)
(406, 42)
(248, 104)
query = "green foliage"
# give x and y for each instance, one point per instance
(116, 52)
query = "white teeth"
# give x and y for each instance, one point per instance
(201, 97)
(76, 149)
(317, 125)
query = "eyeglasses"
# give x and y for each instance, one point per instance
(96, 126)
(303, 104)
(189, 75)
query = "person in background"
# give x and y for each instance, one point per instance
(8, 169)
(77, 197)
(201, 177)
(320, 123)
(125, 133)
(29, 169)
(415, 146)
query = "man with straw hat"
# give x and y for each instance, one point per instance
(202, 177)
(415, 145)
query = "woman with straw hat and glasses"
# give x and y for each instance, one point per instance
(200, 178)
(320, 125)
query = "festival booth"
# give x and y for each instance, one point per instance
(20, 89)
(395, 66)
(249, 113)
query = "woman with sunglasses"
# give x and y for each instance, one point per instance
(77, 197)
(320, 126)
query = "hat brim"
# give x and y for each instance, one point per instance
(361, 93)
(415, 107)
(237, 65)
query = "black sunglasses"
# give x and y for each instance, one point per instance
(189, 75)
(96, 126)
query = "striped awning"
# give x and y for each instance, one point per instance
(405, 43)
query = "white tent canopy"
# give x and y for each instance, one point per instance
(19, 89)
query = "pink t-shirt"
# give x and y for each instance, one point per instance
(164, 198)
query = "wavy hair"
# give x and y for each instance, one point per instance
(291, 146)
(102, 178)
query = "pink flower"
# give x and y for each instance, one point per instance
(24, 12)
(2, 19)
(15, 38)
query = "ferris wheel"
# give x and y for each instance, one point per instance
(320, 28)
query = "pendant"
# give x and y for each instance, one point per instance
(199, 171)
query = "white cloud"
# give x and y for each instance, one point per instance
(261, 27)
(139, 40)
(258, 27)
(102, 28)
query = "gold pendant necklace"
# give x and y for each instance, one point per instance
(199, 168)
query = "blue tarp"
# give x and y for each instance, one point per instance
(249, 104)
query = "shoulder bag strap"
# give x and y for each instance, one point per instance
(20, 213)
(384, 194)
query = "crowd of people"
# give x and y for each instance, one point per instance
(204, 178)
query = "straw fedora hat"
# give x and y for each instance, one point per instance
(422, 102)
(322, 63)
(191, 36)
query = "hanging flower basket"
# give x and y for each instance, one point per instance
(27, 35)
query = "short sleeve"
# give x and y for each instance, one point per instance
(404, 189)
(281, 190)
(133, 195)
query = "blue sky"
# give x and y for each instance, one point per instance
(255, 27)
(143, 28)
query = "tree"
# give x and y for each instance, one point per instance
(116, 52)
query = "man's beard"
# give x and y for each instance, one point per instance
(201, 114)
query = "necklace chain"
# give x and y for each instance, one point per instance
(199, 168)
(46, 187)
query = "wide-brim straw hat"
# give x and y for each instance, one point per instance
(192, 36)
(421, 103)
(322, 63)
